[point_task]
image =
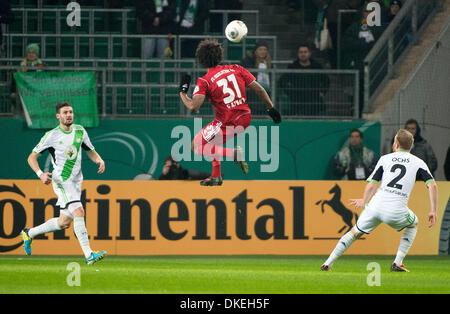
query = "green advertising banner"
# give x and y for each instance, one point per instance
(40, 92)
(292, 150)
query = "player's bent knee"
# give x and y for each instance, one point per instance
(356, 232)
(64, 222)
(79, 212)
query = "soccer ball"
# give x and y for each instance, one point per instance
(236, 31)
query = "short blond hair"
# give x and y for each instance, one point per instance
(405, 139)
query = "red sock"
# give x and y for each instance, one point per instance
(216, 169)
(216, 151)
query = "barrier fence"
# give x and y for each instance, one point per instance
(94, 20)
(148, 92)
(380, 62)
(112, 46)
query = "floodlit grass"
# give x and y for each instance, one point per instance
(222, 275)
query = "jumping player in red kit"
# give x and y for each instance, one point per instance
(224, 85)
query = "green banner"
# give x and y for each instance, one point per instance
(136, 146)
(40, 92)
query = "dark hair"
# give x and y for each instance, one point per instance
(304, 45)
(357, 131)
(412, 121)
(62, 104)
(209, 53)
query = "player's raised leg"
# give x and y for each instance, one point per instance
(28, 234)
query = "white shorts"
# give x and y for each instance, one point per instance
(69, 194)
(70, 209)
(396, 218)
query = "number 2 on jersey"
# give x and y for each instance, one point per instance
(393, 183)
(227, 90)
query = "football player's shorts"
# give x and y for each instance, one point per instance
(396, 218)
(218, 133)
(69, 195)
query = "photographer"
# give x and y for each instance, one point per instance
(173, 171)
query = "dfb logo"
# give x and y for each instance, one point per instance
(74, 17)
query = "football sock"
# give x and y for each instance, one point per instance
(216, 169)
(79, 227)
(214, 151)
(405, 243)
(343, 244)
(50, 225)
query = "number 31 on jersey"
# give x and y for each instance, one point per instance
(231, 100)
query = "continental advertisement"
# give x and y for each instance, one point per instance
(183, 218)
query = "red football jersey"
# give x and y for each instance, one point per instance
(225, 86)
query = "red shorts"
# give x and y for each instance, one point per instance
(218, 133)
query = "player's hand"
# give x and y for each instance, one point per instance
(274, 114)
(185, 83)
(101, 166)
(45, 177)
(432, 219)
(358, 202)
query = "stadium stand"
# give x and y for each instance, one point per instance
(130, 85)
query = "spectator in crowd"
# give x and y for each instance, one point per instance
(447, 165)
(355, 161)
(294, 7)
(306, 91)
(421, 147)
(31, 63)
(6, 17)
(217, 20)
(259, 58)
(190, 19)
(32, 58)
(357, 41)
(394, 7)
(173, 171)
(329, 9)
(156, 17)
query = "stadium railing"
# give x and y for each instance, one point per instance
(119, 46)
(137, 90)
(396, 40)
(53, 20)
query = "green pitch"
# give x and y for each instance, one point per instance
(222, 275)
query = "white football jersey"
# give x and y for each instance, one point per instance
(65, 149)
(398, 173)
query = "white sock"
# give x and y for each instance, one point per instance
(80, 231)
(405, 243)
(50, 225)
(343, 244)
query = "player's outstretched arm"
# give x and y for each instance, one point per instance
(433, 192)
(368, 191)
(194, 103)
(33, 163)
(95, 157)
(262, 94)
